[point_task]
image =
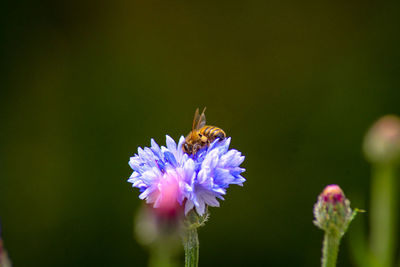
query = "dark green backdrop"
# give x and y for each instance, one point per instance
(83, 84)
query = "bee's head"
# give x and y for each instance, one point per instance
(194, 136)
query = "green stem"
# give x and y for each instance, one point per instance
(191, 244)
(162, 256)
(330, 249)
(383, 214)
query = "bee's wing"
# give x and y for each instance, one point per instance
(199, 120)
(195, 119)
(202, 120)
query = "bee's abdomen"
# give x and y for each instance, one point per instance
(213, 132)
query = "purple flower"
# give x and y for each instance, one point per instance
(168, 178)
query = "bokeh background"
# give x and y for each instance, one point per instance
(84, 83)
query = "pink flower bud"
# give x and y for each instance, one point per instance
(333, 194)
(167, 204)
(4, 260)
(332, 211)
(382, 141)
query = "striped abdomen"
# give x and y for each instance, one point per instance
(212, 132)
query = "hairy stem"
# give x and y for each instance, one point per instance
(330, 249)
(191, 244)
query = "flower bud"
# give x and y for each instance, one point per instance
(332, 211)
(167, 205)
(4, 260)
(152, 227)
(159, 234)
(382, 141)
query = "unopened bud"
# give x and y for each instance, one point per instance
(4, 260)
(332, 211)
(382, 141)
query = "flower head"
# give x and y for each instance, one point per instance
(4, 259)
(382, 141)
(332, 211)
(168, 178)
(333, 194)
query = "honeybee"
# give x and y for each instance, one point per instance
(201, 135)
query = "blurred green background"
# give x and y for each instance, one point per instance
(83, 84)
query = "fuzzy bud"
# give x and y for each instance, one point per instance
(382, 141)
(332, 211)
(4, 260)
